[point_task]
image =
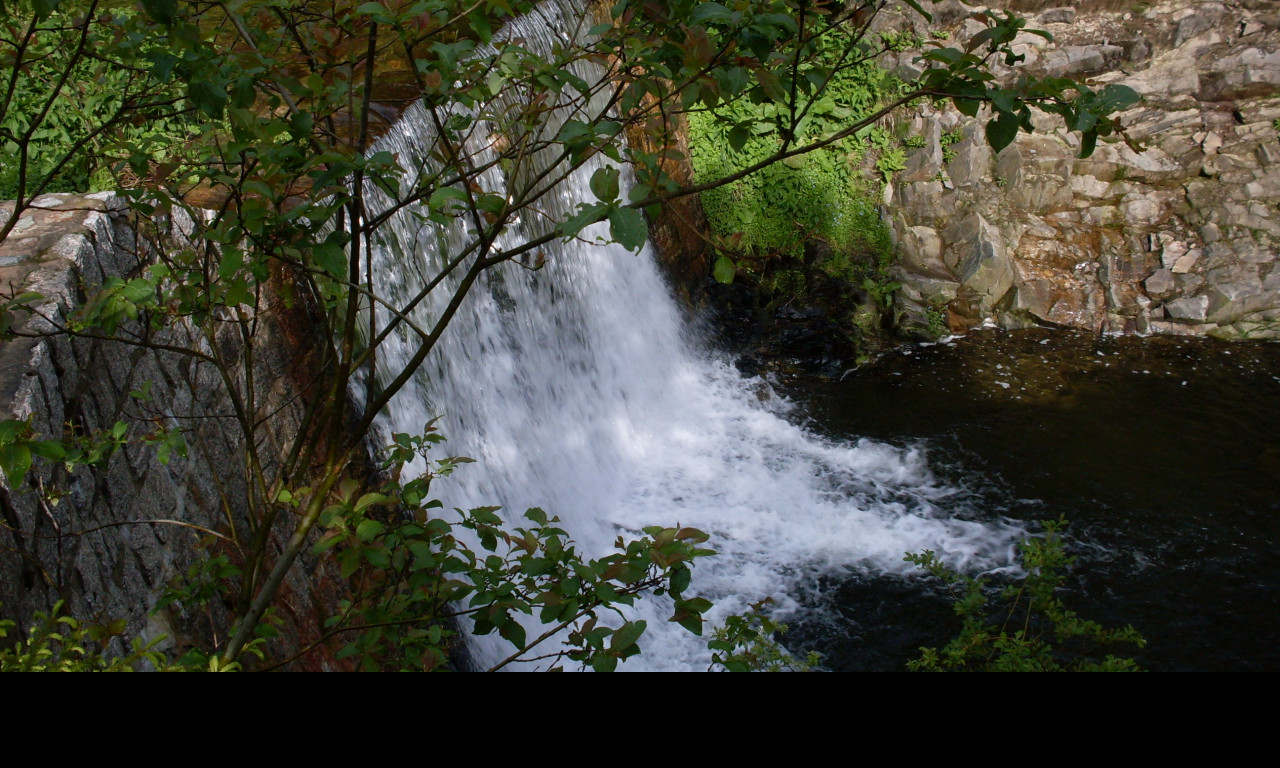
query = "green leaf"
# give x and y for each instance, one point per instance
(1003, 101)
(26, 297)
(604, 184)
(10, 429)
(692, 622)
(368, 500)
(513, 632)
(15, 461)
(1088, 143)
(1002, 130)
(626, 636)
(733, 79)
(491, 203)
(779, 21)
(587, 215)
(710, 13)
(627, 226)
(49, 449)
(772, 85)
(43, 8)
(680, 578)
(1084, 121)
(163, 11)
(603, 662)
(1117, 97)
(330, 257)
(443, 195)
(369, 529)
(208, 97)
(725, 270)
(243, 93)
(138, 291)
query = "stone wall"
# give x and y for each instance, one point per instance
(1180, 236)
(99, 546)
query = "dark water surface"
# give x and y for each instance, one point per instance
(1164, 453)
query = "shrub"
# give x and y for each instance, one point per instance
(1032, 630)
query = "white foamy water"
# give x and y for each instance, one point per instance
(578, 389)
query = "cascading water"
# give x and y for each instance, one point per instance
(577, 388)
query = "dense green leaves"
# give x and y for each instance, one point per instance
(163, 11)
(68, 118)
(420, 568)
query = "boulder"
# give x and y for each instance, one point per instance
(1161, 284)
(976, 253)
(1188, 309)
(920, 250)
(1036, 172)
(1250, 74)
(925, 163)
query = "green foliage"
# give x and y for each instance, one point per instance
(266, 107)
(20, 446)
(204, 580)
(818, 195)
(962, 73)
(881, 290)
(63, 126)
(899, 41)
(746, 643)
(1032, 631)
(891, 160)
(936, 317)
(948, 141)
(57, 643)
(417, 574)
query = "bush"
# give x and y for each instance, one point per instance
(1032, 630)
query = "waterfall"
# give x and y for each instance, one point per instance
(579, 388)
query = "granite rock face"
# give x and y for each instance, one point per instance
(1179, 237)
(99, 546)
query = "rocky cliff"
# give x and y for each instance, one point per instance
(1179, 237)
